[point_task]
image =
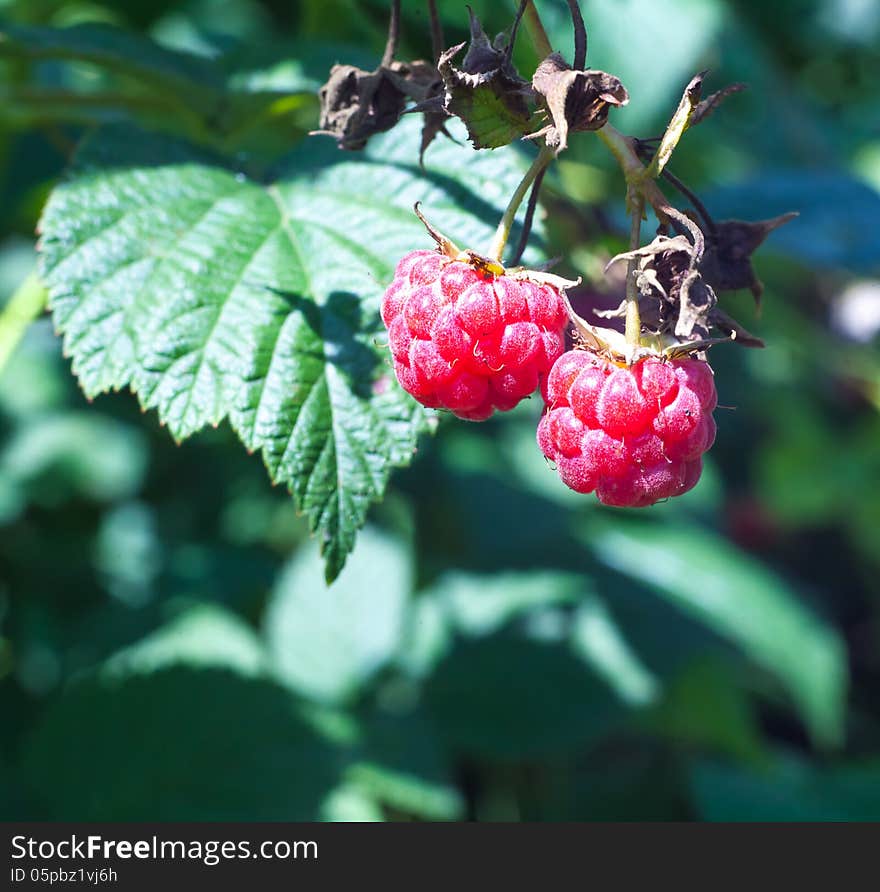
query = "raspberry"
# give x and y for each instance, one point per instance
(470, 341)
(634, 434)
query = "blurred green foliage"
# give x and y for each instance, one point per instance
(497, 648)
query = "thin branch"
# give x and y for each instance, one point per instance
(437, 41)
(530, 217)
(536, 29)
(633, 320)
(646, 152)
(496, 250)
(689, 194)
(28, 302)
(515, 28)
(624, 150)
(393, 34)
(580, 35)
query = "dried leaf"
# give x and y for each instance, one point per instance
(710, 103)
(574, 100)
(355, 104)
(423, 84)
(487, 93)
(727, 261)
(723, 322)
(678, 300)
(679, 123)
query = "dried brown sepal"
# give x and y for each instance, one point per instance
(612, 344)
(677, 302)
(668, 280)
(445, 245)
(424, 85)
(488, 266)
(723, 322)
(574, 100)
(708, 105)
(486, 92)
(727, 261)
(485, 57)
(356, 104)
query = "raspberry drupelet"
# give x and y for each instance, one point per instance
(470, 340)
(634, 434)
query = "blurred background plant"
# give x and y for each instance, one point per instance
(497, 648)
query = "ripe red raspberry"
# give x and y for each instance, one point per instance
(466, 340)
(634, 434)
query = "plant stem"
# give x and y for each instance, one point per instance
(24, 306)
(633, 320)
(692, 197)
(536, 29)
(530, 216)
(515, 29)
(580, 35)
(636, 174)
(393, 34)
(502, 233)
(437, 42)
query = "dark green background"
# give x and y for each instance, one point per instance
(499, 649)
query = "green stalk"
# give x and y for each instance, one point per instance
(633, 320)
(24, 306)
(535, 27)
(637, 175)
(502, 233)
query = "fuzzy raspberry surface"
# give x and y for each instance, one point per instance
(633, 434)
(466, 341)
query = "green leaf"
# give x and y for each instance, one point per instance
(87, 454)
(163, 88)
(350, 804)
(705, 707)
(204, 635)
(179, 744)
(115, 49)
(743, 602)
(475, 605)
(22, 309)
(513, 698)
(404, 768)
(492, 120)
(792, 791)
(216, 296)
(599, 640)
(327, 643)
(427, 636)
(481, 604)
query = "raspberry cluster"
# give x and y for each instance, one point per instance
(469, 341)
(634, 434)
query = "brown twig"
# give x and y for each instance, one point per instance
(515, 28)
(689, 194)
(644, 150)
(393, 34)
(437, 42)
(580, 35)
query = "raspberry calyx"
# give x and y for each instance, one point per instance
(635, 433)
